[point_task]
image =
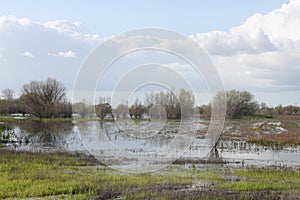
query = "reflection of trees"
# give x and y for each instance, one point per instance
(85, 128)
(52, 133)
(108, 129)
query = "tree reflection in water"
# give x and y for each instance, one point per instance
(52, 134)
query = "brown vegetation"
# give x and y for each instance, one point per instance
(291, 137)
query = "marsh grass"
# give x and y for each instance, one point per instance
(59, 175)
(62, 175)
(290, 137)
(265, 134)
(265, 180)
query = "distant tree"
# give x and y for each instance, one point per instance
(177, 105)
(187, 101)
(137, 109)
(81, 108)
(265, 110)
(205, 111)
(45, 99)
(8, 104)
(121, 110)
(290, 110)
(279, 109)
(8, 94)
(63, 110)
(3, 107)
(103, 110)
(239, 103)
(263, 105)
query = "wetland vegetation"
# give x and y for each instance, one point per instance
(51, 164)
(65, 175)
(54, 157)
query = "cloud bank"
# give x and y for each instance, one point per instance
(263, 54)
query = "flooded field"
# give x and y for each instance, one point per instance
(134, 145)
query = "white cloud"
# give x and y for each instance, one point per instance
(27, 54)
(237, 40)
(12, 21)
(263, 54)
(18, 35)
(65, 54)
(279, 29)
(73, 29)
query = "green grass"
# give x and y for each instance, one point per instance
(60, 175)
(256, 117)
(9, 119)
(12, 119)
(265, 179)
(43, 175)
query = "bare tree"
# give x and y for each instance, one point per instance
(205, 111)
(103, 110)
(44, 99)
(137, 109)
(8, 103)
(187, 101)
(81, 108)
(177, 106)
(121, 110)
(8, 94)
(239, 103)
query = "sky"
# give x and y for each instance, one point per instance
(255, 45)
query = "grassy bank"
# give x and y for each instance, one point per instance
(62, 175)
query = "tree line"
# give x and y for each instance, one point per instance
(173, 106)
(42, 99)
(47, 99)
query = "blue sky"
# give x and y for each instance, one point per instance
(255, 45)
(111, 17)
